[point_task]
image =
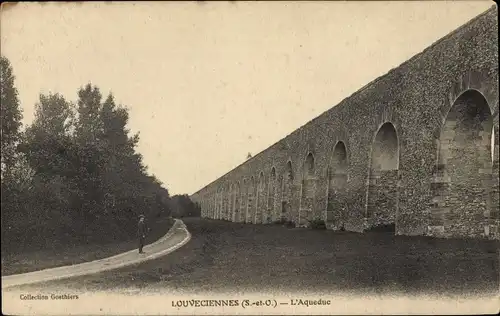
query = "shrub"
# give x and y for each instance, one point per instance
(284, 222)
(280, 221)
(385, 228)
(317, 224)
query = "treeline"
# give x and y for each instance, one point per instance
(183, 206)
(73, 174)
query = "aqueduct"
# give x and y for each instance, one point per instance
(416, 148)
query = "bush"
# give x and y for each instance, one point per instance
(285, 223)
(386, 228)
(183, 206)
(317, 224)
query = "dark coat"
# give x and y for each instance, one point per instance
(141, 229)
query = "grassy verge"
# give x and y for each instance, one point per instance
(68, 254)
(223, 256)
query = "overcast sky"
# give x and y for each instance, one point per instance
(208, 83)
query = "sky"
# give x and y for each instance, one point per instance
(207, 83)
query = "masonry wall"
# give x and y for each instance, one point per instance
(415, 98)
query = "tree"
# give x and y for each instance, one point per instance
(88, 136)
(89, 125)
(51, 154)
(10, 118)
(78, 175)
(47, 143)
(183, 206)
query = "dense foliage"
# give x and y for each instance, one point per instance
(74, 174)
(183, 206)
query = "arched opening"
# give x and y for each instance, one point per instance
(271, 196)
(287, 192)
(244, 201)
(230, 203)
(226, 202)
(495, 186)
(337, 182)
(219, 204)
(223, 203)
(462, 180)
(251, 205)
(261, 199)
(383, 181)
(236, 216)
(308, 190)
(214, 205)
(227, 215)
(492, 143)
(225, 198)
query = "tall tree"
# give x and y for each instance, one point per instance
(10, 117)
(48, 141)
(88, 127)
(50, 152)
(88, 132)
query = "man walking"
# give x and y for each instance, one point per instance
(141, 232)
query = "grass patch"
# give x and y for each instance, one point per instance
(71, 253)
(225, 256)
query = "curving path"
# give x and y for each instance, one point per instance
(175, 238)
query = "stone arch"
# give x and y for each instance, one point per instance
(287, 192)
(226, 201)
(308, 190)
(271, 195)
(219, 203)
(462, 182)
(230, 201)
(337, 184)
(251, 201)
(382, 206)
(244, 201)
(212, 205)
(225, 189)
(223, 202)
(215, 203)
(260, 200)
(236, 210)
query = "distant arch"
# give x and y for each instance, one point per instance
(229, 207)
(244, 201)
(310, 166)
(287, 192)
(272, 196)
(382, 206)
(251, 201)
(219, 203)
(306, 211)
(224, 203)
(337, 183)
(237, 206)
(260, 201)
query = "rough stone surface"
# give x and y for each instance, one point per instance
(434, 176)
